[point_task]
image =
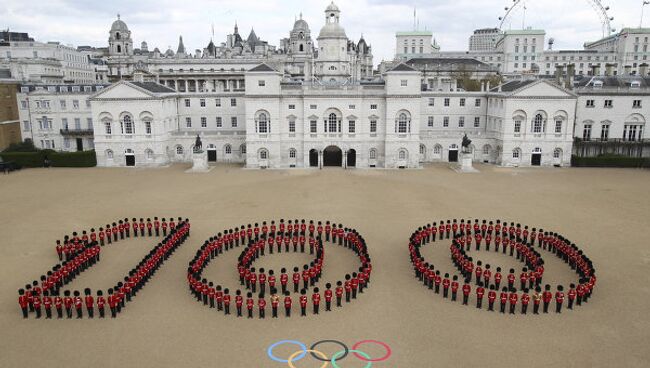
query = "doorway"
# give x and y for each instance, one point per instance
(130, 159)
(536, 159)
(80, 144)
(313, 158)
(453, 155)
(352, 158)
(332, 156)
(212, 155)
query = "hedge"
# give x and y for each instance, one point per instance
(57, 159)
(610, 161)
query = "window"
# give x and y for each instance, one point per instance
(128, 125)
(233, 102)
(586, 132)
(261, 83)
(228, 149)
(313, 107)
(148, 154)
(66, 142)
(242, 149)
(217, 102)
(373, 126)
(264, 154)
(292, 153)
(437, 149)
(351, 126)
(88, 103)
(609, 104)
(636, 104)
(187, 102)
(477, 122)
(313, 124)
(632, 132)
(423, 149)
(373, 154)
(75, 104)
(486, 149)
(292, 107)
(219, 121)
(558, 126)
(445, 121)
(537, 123)
(461, 121)
(202, 102)
(204, 122)
(405, 82)
(430, 121)
(402, 123)
(89, 123)
(517, 126)
(557, 153)
(262, 126)
(63, 105)
(447, 100)
(462, 102)
(109, 154)
(26, 125)
(179, 150)
(477, 102)
(333, 123)
(432, 102)
(64, 123)
(292, 126)
(352, 107)
(188, 122)
(590, 103)
(604, 132)
(402, 155)
(107, 128)
(515, 153)
(373, 107)
(233, 122)
(147, 127)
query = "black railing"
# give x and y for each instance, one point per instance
(77, 132)
(612, 141)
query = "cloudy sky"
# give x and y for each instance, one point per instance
(160, 22)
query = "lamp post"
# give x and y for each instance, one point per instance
(320, 159)
(345, 162)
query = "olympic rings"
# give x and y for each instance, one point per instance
(319, 355)
(302, 346)
(389, 352)
(345, 348)
(355, 352)
(312, 352)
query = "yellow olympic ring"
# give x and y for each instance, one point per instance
(317, 352)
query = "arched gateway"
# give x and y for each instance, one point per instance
(332, 156)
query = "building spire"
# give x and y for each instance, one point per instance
(118, 16)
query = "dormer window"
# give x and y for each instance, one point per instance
(598, 84)
(635, 84)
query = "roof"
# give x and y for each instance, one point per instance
(415, 33)
(615, 82)
(262, 68)
(153, 87)
(524, 32)
(434, 61)
(513, 85)
(401, 67)
(119, 25)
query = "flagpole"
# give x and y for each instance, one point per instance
(645, 2)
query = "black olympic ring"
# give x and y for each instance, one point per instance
(339, 343)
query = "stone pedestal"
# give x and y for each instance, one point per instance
(200, 162)
(465, 164)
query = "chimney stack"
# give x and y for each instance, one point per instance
(609, 69)
(643, 70)
(628, 69)
(571, 73)
(559, 74)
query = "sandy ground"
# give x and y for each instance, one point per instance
(604, 211)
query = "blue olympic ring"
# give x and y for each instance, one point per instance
(302, 346)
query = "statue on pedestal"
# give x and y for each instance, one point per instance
(198, 146)
(466, 143)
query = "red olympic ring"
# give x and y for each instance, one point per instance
(389, 352)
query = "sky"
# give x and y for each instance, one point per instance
(160, 22)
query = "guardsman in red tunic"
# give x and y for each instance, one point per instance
(239, 301)
(546, 297)
(134, 225)
(78, 304)
(454, 287)
(580, 291)
(164, 227)
(262, 280)
(525, 299)
(315, 298)
(445, 286)
(467, 289)
(141, 226)
(218, 297)
(497, 279)
(287, 304)
(211, 294)
(296, 279)
(58, 305)
(271, 280)
(511, 279)
(156, 226)
(503, 297)
(59, 250)
(36, 302)
(149, 227)
(492, 296)
(339, 293)
(250, 304)
(513, 300)
(252, 279)
(100, 303)
(226, 301)
(90, 303)
(537, 299)
(305, 276)
(478, 271)
(559, 299)
(284, 279)
(328, 297)
(348, 288)
(47, 304)
(261, 305)
(523, 278)
(480, 291)
(23, 301)
(437, 280)
(67, 301)
(571, 295)
(303, 302)
(354, 283)
(275, 300)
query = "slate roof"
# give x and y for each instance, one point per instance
(262, 68)
(153, 87)
(401, 67)
(513, 85)
(612, 82)
(434, 61)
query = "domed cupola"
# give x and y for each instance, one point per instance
(119, 40)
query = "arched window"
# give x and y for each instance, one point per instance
(423, 149)
(486, 149)
(333, 123)
(179, 150)
(301, 47)
(117, 35)
(516, 153)
(373, 154)
(262, 123)
(437, 149)
(128, 127)
(128, 151)
(557, 153)
(148, 154)
(402, 123)
(292, 153)
(119, 48)
(242, 149)
(107, 127)
(264, 154)
(109, 154)
(228, 149)
(538, 123)
(537, 150)
(402, 154)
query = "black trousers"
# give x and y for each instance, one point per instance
(524, 308)
(274, 312)
(491, 305)
(535, 308)
(239, 314)
(503, 307)
(465, 298)
(79, 313)
(570, 306)
(59, 313)
(91, 312)
(48, 312)
(453, 295)
(226, 308)
(261, 312)
(328, 305)
(25, 312)
(558, 307)
(316, 307)
(101, 312)
(512, 308)
(338, 301)
(287, 311)
(250, 313)
(546, 307)
(303, 310)
(479, 303)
